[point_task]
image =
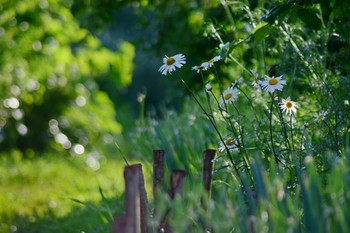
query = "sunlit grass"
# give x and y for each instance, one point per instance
(43, 189)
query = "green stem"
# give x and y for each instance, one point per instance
(265, 140)
(347, 130)
(291, 131)
(238, 63)
(284, 126)
(242, 150)
(332, 135)
(208, 98)
(271, 134)
(212, 122)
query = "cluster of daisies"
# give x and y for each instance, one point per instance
(177, 61)
(269, 84)
(228, 96)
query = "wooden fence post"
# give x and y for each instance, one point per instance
(158, 172)
(132, 199)
(135, 220)
(143, 202)
(177, 180)
(207, 172)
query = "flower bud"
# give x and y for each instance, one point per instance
(208, 87)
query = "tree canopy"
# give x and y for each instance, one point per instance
(49, 67)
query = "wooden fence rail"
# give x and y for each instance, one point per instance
(136, 203)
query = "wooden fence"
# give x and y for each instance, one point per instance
(136, 203)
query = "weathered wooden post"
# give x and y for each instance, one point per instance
(207, 170)
(120, 224)
(207, 174)
(158, 172)
(177, 180)
(143, 202)
(132, 199)
(135, 219)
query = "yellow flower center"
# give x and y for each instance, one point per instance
(273, 81)
(211, 61)
(230, 142)
(228, 96)
(170, 61)
(289, 104)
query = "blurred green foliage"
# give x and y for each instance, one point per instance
(49, 68)
(56, 194)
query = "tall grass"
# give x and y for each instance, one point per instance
(307, 196)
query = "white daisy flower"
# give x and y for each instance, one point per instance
(321, 116)
(206, 65)
(270, 84)
(210, 63)
(171, 63)
(230, 143)
(289, 106)
(228, 96)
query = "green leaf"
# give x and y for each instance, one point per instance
(261, 31)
